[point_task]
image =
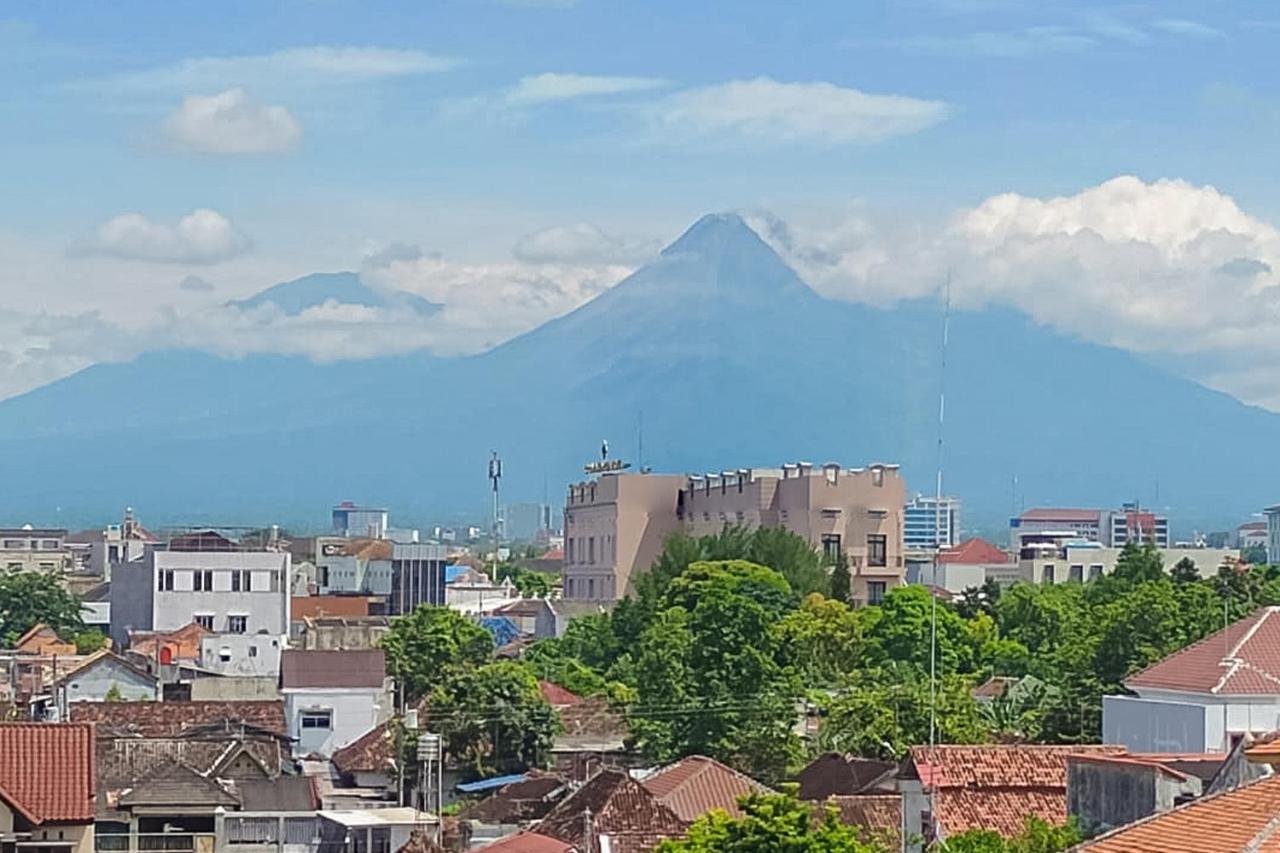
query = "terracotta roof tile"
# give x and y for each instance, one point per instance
(520, 802)
(47, 771)
(184, 643)
(167, 719)
(834, 774)
(879, 814)
(998, 787)
(557, 696)
(318, 668)
(695, 785)
(318, 606)
(621, 808)
(1241, 659)
(973, 552)
(372, 752)
(1242, 819)
(527, 842)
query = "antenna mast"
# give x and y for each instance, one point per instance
(495, 478)
(937, 554)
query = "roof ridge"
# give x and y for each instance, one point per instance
(1263, 835)
(1203, 641)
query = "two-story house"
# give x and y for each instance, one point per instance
(333, 697)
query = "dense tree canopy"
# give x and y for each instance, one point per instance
(432, 645)
(30, 598)
(773, 823)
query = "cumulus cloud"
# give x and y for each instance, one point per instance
(316, 64)
(767, 110)
(201, 237)
(1165, 267)
(232, 123)
(542, 88)
(581, 243)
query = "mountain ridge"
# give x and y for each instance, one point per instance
(717, 347)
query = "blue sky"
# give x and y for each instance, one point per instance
(317, 134)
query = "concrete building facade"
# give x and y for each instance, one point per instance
(228, 591)
(359, 521)
(614, 526)
(929, 523)
(1074, 560)
(34, 549)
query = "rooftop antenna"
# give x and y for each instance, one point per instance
(937, 543)
(495, 479)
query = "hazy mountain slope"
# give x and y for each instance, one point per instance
(727, 357)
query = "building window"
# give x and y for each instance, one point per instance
(15, 544)
(202, 581)
(877, 553)
(875, 591)
(591, 588)
(50, 544)
(317, 720)
(164, 581)
(205, 620)
(242, 581)
(237, 624)
(831, 546)
(1048, 573)
(591, 550)
(568, 554)
(253, 651)
(1077, 573)
(1095, 571)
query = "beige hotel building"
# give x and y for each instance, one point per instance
(615, 524)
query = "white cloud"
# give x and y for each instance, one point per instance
(201, 237)
(298, 65)
(1183, 27)
(232, 123)
(542, 88)
(767, 110)
(1032, 41)
(1164, 267)
(581, 243)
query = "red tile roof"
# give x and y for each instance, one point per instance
(47, 771)
(168, 719)
(1243, 819)
(184, 643)
(318, 606)
(527, 842)
(695, 785)
(1063, 514)
(1241, 659)
(321, 668)
(620, 808)
(973, 552)
(372, 752)
(879, 814)
(557, 696)
(997, 787)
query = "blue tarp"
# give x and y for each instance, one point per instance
(502, 628)
(490, 784)
(452, 573)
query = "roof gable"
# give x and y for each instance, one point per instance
(108, 660)
(695, 785)
(973, 552)
(1241, 659)
(47, 770)
(618, 806)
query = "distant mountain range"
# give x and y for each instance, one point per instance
(716, 347)
(342, 288)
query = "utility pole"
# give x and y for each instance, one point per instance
(495, 480)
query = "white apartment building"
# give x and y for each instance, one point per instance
(204, 579)
(1070, 559)
(34, 549)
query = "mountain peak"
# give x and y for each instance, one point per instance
(717, 233)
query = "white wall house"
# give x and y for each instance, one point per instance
(1205, 697)
(102, 676)
(331, 698)
(227, 590)
(241, 654)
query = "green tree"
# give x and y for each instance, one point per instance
(792, 557)
(1254, 555)
(1185, 571)
(841, 580)
(900, 629)
(709, 679)
(1038, 836)
(1138, 563)
(493, 718)
(90, 641)
(433, 644)
(28, 599)
(822, 640)
(773, 823)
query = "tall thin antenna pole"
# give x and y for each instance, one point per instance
(937, 520)
(937, 558)
(640, 441)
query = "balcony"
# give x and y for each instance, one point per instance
(154, 842)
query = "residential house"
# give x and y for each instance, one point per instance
(951, 789)
(342, 632)
(834, 774)
(593, 736)
(332, 698)
(879, 816)
(47, 788)
(172, 719)
(302, 607)
(968, 564)
(205, 578)
(696, 785)
(612, 812)
(369, 760)
(243, 655)
(1206, 696)
(1240, 820)
(529, 842)
(40, 639)
(372, 830)
(472, 591)
(513, 807)
(104, 676)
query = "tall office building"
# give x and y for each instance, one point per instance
(928, 523)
